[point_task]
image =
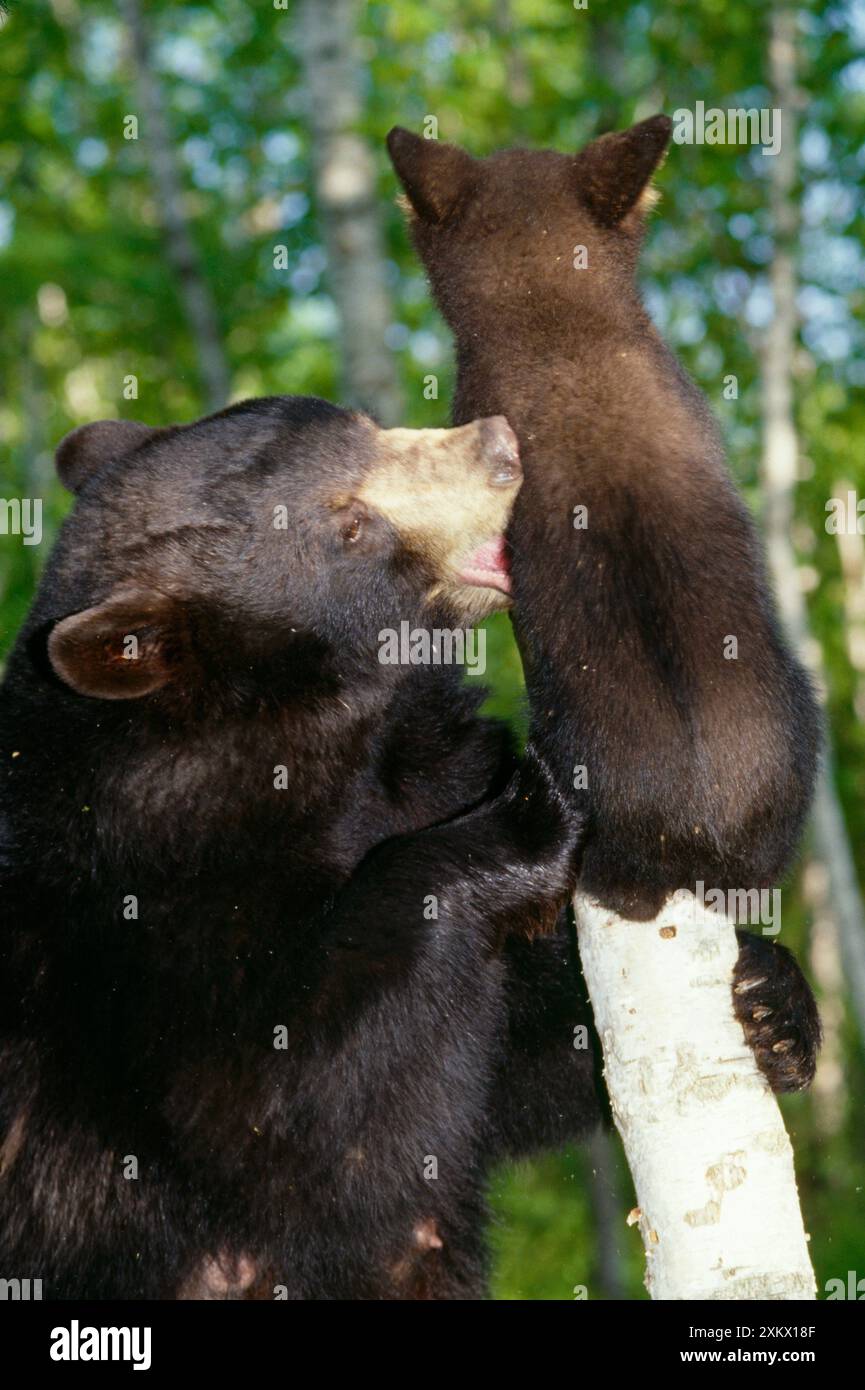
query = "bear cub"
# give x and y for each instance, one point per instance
(663, 695)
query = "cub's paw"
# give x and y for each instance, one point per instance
(775, 1006)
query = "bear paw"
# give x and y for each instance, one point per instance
(774, 1004)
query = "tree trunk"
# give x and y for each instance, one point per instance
(851, 552)
(711, 1161)
(348, 205)
(779, 474)
(712, 1164)
(829, 1092)
(193, 288)
(606, 1211)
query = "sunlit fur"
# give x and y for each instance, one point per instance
(687, 765)
(698, 765)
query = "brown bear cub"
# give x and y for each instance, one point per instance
(269, 1006)
(662, 694)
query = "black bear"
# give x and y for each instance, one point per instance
(662, 694)
(660, 684)
(661, 689)
(269, 1000)
(284, 962)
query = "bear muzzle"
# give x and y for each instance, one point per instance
(449, 495)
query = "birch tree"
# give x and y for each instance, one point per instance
(779, 470)
(348, 205)
(712, 1164)
(718, 1209)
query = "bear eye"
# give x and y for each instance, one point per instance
(355, 524)
(351, 530)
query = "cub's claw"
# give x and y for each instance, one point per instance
(774, 1004)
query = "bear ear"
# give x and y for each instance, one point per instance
(86, 449)
(614, 172)
(123, 648)
(435, 175)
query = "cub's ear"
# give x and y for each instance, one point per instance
(126, 647)
(86, 449)
(435, 175)
(614, 172)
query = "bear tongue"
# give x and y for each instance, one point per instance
(487, 567)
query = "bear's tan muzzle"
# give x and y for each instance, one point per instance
(449, 494)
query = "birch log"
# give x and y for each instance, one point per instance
(711, 1160)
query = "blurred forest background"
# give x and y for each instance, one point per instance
(244, 240)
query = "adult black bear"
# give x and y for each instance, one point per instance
(261, 1024)
(268, 1009)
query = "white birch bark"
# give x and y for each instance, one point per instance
(348, 204)
(779, 474)
(711, 1161)
(851, 553)
(712, 1165)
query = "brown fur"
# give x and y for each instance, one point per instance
(699, 767)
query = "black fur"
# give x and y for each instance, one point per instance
(302, 1168)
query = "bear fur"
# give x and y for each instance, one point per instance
(239, 1055)
(687, 766)
(696, 765)
(284, 962)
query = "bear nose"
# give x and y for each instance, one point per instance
(500, 452)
